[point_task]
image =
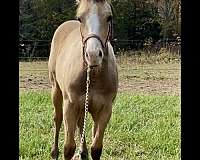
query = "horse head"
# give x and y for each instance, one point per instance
(95, 17)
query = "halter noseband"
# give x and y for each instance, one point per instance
(84, 39)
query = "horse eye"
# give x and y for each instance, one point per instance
(79, 19)
(109, 18)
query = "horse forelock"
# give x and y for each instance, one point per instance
(83, 5)
(77, 1)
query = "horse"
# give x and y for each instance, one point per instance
(76, 46)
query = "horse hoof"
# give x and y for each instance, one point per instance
(54, 154)
(76, 157)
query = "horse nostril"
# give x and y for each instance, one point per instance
(100, 54)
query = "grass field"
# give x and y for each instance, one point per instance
(141, 128)
(145, 123)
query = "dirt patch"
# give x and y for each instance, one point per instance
(34, 82)
(150, 87)
(137, 78)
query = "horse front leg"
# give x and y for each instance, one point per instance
(58, 117)
(100, 123)
(70, 120)
(83, 147)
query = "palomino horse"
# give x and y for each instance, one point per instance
(77, 45)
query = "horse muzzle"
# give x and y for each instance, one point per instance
(94, 58)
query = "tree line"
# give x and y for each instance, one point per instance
(135, 21)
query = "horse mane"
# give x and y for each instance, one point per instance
(82, 6)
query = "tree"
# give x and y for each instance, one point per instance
(170, 16)
(38, 19)
(136, 20)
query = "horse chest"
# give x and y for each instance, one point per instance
(101, 91)
(98, 101)
(98, 98)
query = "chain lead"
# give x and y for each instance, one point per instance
(86, 109)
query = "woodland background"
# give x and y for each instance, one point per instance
(138, 24)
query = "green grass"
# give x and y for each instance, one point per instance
(142, 127)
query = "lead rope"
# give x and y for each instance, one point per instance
(86, 109)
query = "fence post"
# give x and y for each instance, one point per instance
(32, 53)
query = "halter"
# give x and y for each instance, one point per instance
(104, 45)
